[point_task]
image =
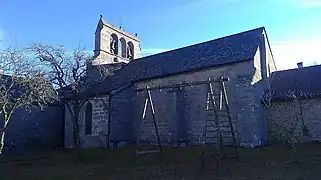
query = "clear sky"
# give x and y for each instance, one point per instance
(293, 26)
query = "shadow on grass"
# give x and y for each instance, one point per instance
(273, 162)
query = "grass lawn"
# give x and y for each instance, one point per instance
(274, 162)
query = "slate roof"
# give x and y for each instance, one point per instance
(302, 82)
(230, 49)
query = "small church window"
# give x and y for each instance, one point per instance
(88, 119)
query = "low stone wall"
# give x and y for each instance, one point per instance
(35, 131)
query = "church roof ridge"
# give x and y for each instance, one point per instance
(259, 29)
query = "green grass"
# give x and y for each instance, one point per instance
(274, 162)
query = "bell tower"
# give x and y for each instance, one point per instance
(114, 45)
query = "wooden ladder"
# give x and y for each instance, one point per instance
(148, 100)
(218, 128)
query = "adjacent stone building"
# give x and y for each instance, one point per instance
(293, 108)
(245, 58)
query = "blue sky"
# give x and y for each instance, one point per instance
(293, 26)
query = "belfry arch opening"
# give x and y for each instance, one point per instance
(130, 50)
(114, 44)
(122, 47)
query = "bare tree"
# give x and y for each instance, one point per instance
(22, 85)
(289, 130)
(67, 71)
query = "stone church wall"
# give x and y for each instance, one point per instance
(172, 113)
(121, 126)
(98, 137)
(123, 108)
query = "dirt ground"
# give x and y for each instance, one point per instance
(273, 162)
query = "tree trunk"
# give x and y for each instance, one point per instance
(74, 111)
(3, 135)
(76, 136)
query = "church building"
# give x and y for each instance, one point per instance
(245, 58)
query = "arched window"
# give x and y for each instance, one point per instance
(114, 44)
(88, 118)
(122, 47)
(130, 50)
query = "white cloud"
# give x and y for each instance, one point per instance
(310, 3)
(288, 53)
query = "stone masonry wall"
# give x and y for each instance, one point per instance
(35, 131)
(253, 92)
(98, 138)
(303, 118)
(121, 126)
(122, 114)
(165, 112)
(243, 99)
(102, 44)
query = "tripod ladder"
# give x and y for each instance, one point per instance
(148, 100)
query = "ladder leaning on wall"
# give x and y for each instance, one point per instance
(149, 101)
(218, 127)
